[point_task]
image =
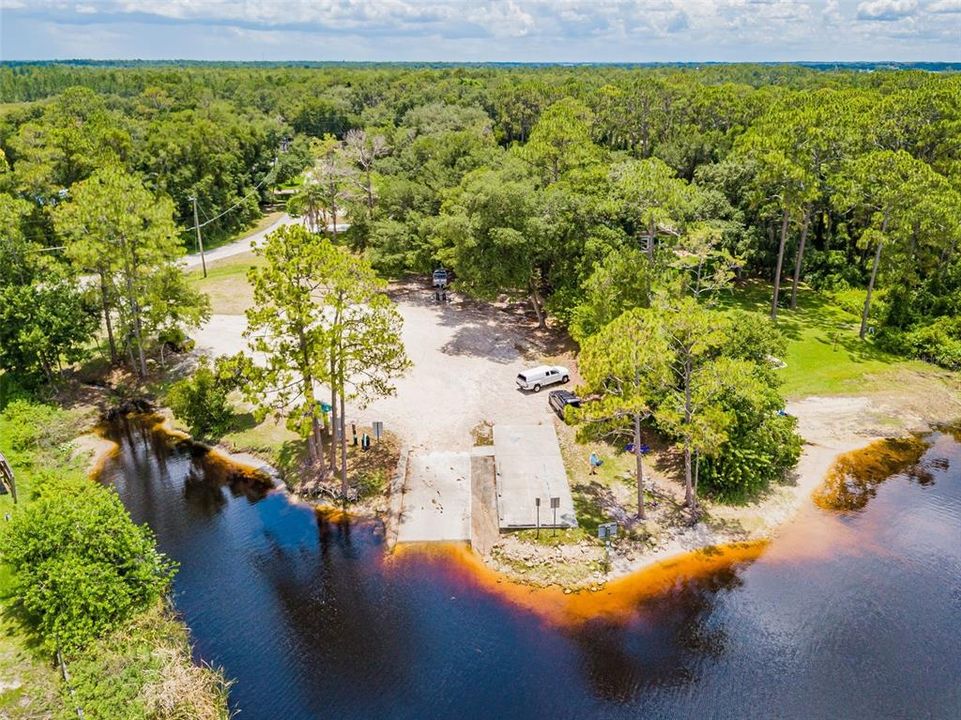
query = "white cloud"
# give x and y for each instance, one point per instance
(539, 30)
(502, 19)
(945, 7)
(831, 15)
(886, 10)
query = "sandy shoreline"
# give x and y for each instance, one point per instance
(830, 427)
(98, 448)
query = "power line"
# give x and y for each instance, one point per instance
(239, 202)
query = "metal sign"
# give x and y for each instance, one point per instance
(555, 503)
(378, 429)
(607, 530)
(537, 502)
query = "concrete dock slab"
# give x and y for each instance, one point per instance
(529, 466)
(436, 504)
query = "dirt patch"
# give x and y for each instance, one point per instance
(369, 473)
(482, 434)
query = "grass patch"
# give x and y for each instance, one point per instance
(144, 670)
(482, 434)
(563, 536)
(226, 283)
(35, 438)
(269, 439)
(596, 495)
(29, 687)
(824, 355)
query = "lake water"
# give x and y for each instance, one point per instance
(853, 614)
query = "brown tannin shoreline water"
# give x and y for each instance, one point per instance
(846, 614)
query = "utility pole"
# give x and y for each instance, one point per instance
(200, 240)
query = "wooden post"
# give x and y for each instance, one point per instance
(6, 477)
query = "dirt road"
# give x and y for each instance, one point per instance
(240, 246)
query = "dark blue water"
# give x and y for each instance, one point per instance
(844, 615)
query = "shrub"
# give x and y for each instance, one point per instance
(851, 300)
(759, 451)
(201, 402)
(754, 337)
(82, 565)
(176, 339)
(831, 269)
(939, 342)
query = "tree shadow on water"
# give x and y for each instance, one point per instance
(669, 635)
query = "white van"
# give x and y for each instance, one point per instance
(535, 378)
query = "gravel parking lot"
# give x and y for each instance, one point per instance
(465, 358)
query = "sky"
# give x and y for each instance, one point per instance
(483, 30)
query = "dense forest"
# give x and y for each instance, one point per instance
(585, 192)
(529, 181)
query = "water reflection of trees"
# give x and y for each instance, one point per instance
(662, 645)
(855, 476)
(209, 478)
(146, 449)
(343, 619)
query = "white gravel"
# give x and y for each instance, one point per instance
(464, 359)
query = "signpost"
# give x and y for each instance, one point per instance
(537, 504)
(555, 503)
(378, 427)
(606, 531)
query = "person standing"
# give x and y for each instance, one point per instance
(595, 462)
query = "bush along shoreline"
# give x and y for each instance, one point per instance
(84, 589)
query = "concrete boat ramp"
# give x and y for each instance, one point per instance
(469, 497)
(437, 498)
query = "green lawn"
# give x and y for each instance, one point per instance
(269, 439)
(226, 283)
(824, 354)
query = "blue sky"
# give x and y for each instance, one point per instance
(479, 30)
